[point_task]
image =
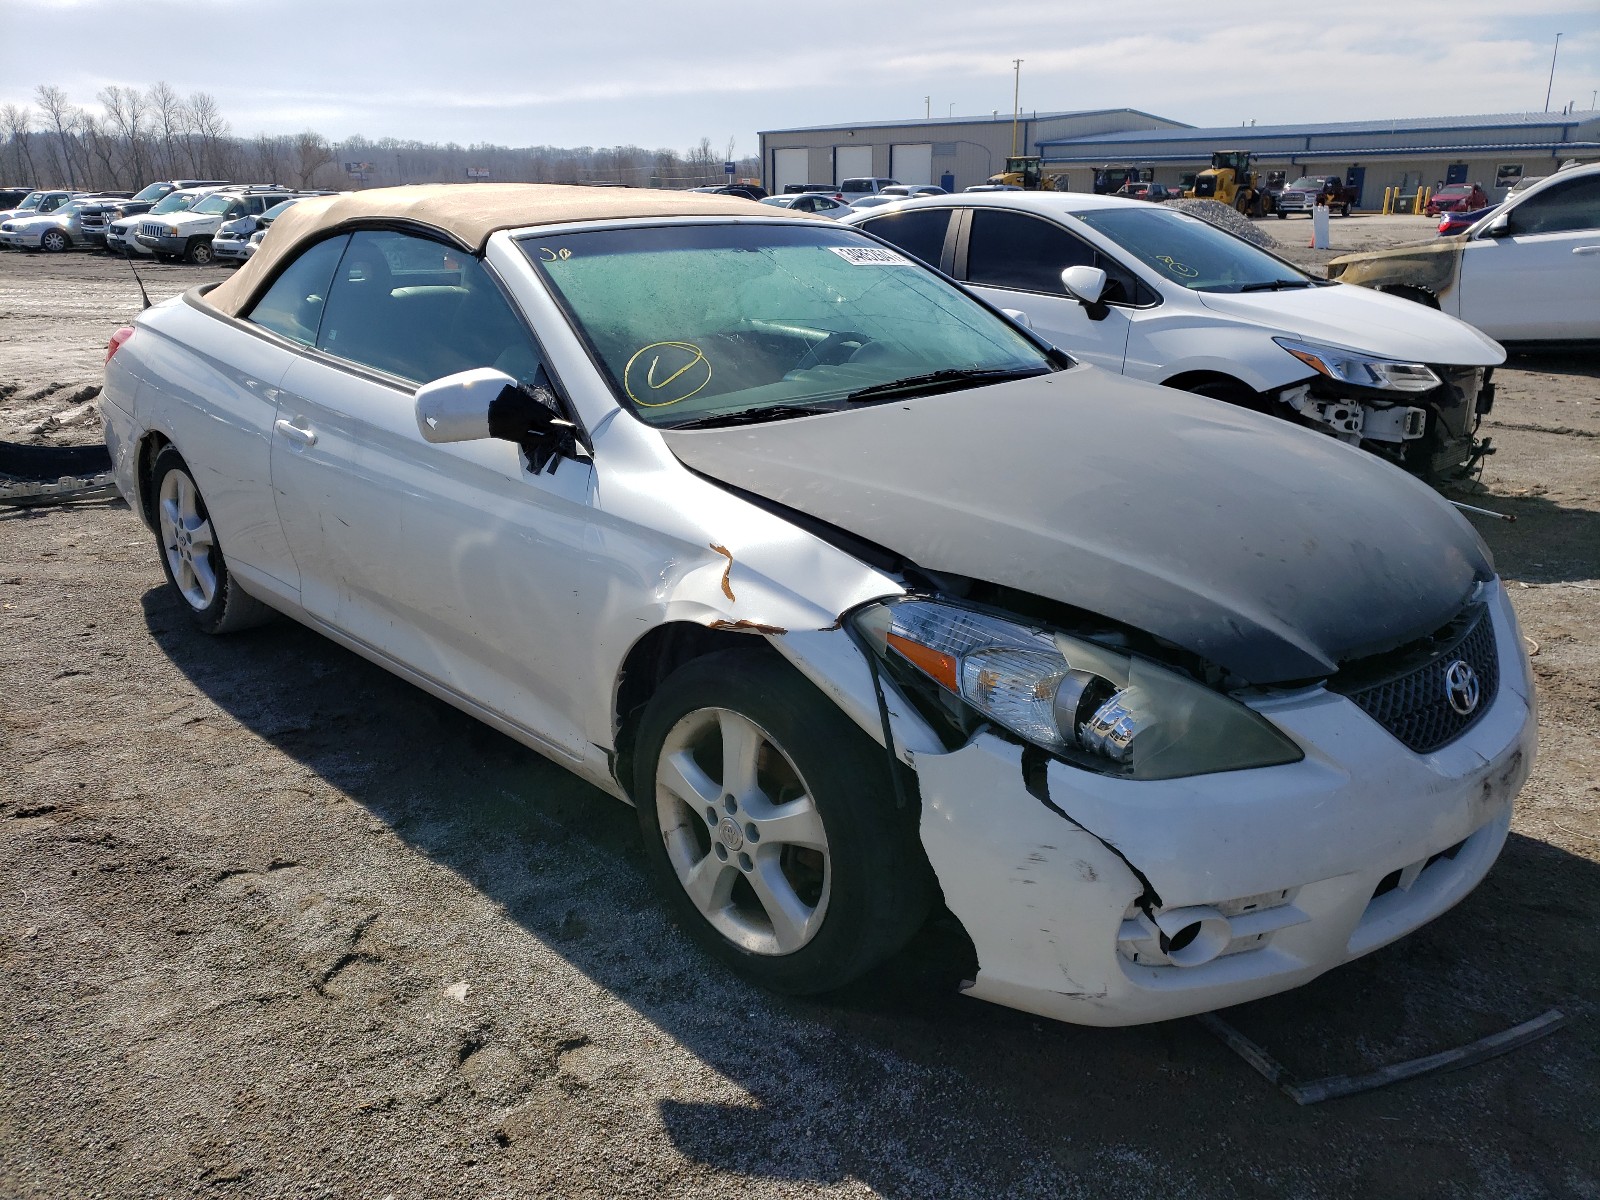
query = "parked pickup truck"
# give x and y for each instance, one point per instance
(97, 215)
(1301, 195)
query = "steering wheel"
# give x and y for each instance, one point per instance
(822, 353)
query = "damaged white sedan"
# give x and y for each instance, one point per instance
(868, 599)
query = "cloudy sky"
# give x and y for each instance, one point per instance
(604, 72)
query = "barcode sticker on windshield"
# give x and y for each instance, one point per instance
(870, 256)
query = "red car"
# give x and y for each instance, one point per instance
(1457, 197)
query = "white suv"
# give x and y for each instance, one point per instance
(188, 235)
(122, 234)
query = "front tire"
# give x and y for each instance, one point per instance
(770, 822)
(53, 241)
(199, 253)
(192, 557)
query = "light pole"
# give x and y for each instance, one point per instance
(927, 108)
(1016, 94)
(1552, 82)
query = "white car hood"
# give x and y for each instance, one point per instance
(1358, 318)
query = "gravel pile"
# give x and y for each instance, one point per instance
(1223, 217)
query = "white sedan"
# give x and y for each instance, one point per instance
(1156, 294)
(867, 598)
(809, 202)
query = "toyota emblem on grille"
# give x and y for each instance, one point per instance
(1461, 687)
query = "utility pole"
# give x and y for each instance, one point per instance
(1552, 82)
(1016, 95)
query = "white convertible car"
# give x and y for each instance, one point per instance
(868, 599)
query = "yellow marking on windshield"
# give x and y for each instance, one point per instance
(689, 378)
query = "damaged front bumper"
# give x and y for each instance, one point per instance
(1108, 902)
(1430, 433)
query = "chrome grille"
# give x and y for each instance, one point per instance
(1415, 707)
(151, 229)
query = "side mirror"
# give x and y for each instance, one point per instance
(1499, 227)
(1084, 284)
(485, 403)
(1020, 317)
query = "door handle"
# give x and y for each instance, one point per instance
(1586, 249)
(306, 437)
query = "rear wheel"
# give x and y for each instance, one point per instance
(771, 824)
(191, 555)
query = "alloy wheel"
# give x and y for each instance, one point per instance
(741, 832)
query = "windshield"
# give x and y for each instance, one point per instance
(1306, 183)
(154, 192)
(277, 210)
(214, 204)
(1191, 252)
(695, 322)
(1454, 189)
(175, 202)
(32, 201)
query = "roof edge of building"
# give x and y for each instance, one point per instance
(979, 120)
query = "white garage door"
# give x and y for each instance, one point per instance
(851, 162)
(913, 163)
(789, 166)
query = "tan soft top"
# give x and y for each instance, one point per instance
(468, 212)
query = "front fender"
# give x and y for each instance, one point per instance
(1430, 267)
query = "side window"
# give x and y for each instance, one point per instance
(420, 310)
(293, 304)
(1564, 208)
(920, 233)
(1014, 250)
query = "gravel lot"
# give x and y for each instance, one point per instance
(273, 923)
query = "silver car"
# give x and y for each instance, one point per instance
(868, 600)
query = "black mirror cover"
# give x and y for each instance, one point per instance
(531, 417)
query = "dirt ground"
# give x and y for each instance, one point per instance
(273, 923)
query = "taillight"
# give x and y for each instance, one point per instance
(117, 339)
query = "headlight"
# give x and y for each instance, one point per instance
(1361, 370)
(1102, 709)
(172, 231)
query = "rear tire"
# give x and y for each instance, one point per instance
(191, 555)
(199, 253)
(771, 825)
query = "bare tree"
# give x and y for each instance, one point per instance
(16, 121)
(701, 160)
(126, 117)
(61, 116)
(210, 128)
(273, 153)
(311, 154)
(171, 119)
(102, 148)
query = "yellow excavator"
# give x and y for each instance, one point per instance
(1231, 181)
(1027, 171)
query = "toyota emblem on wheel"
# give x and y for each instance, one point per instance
(1461, 687)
